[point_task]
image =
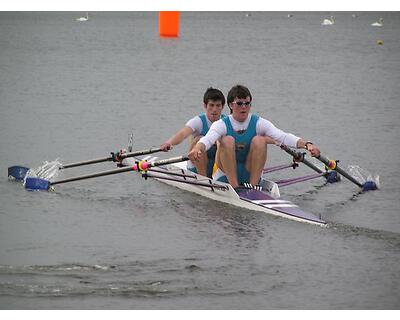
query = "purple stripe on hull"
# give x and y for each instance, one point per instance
(285, 207)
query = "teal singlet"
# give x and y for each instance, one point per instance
(242, 143)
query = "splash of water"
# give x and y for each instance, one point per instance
(363, 175)
(48, 170)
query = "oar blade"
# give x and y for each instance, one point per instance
(333, 176)
(366, 186)
(17, 172)
(32, 183)
(369, 185)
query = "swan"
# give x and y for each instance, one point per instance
(86, 18)
(328, 22)
(378, 24)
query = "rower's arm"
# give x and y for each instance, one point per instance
(177, 138)
(217, 130)
(267, 128)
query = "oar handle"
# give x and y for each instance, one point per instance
(298, 156)
(113, 157)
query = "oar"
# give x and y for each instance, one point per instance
(332, 164)
(19, 172)
(114, 157)
(298, 156)
(195, 182)
(331, 176)
(42, 184)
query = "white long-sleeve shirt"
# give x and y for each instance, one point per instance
(263, 128)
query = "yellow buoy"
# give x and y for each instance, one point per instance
(168, 23)
(380, 42)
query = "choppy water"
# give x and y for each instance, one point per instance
(75, 91)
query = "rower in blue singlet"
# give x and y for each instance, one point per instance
(198, 127)
(243, 139)
(242, 146)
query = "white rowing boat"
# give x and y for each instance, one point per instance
(258, 200)
(173, 172)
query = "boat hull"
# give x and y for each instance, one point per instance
(251, 199)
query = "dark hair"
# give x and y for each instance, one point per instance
(214, 94)
(238, 91)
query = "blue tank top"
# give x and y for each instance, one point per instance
(242, 139)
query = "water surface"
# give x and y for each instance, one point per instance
(75, 91)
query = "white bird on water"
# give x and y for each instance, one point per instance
(86, 18)
(328, 22)
(378, 23)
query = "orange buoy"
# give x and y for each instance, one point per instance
(168, 23)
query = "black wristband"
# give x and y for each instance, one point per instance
(307, 143)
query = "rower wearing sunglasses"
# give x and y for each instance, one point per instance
(242, 141)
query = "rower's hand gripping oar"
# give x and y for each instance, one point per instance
(19, 172)
(42, 184)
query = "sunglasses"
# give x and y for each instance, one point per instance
(241, 103)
